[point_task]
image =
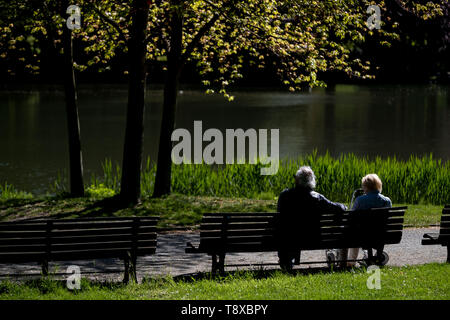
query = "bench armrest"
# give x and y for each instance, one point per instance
(432, 236)
(430, 239)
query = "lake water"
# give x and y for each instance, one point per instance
(366, 120)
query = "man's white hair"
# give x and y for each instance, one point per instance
(305, 177)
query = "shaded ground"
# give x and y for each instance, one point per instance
(175, 210)
(170, 258)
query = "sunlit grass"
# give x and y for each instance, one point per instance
(429, 281)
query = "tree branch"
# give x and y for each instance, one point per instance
(191, 46)
(110, 21)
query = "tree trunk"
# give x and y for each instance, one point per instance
(130, 191)
(174, 66)
(73, 124)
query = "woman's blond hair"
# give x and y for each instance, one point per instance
(372, 182)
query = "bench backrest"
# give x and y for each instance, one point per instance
(84, 238)
(247, 232)
(444, 231)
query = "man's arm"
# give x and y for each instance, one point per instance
(328, 205)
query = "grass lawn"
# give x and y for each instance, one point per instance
(175, 210)
(429, 281)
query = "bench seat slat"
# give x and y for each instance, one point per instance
(84, 219)
(395, 220)
(22, 234)
(333, 223)
(243, 218)
(23, 227)
(91, 225)
(102, 238)
(100, 245)
(240, 225)
(97, 254)
(242, 232)
(93, 232)
(445, 224)
(63, 225)
(21, 241)
(253, 214)
(23, 248)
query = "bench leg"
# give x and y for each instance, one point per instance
(297, 258)
(213, 264)
(130, 269)
(45, 267)
(221, 264)
(126, 276)
(448, 253)
(379, 258)
(133, 269)
(370, 256)
(218, 263)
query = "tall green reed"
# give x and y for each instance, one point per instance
(8, 192)
(416, 180)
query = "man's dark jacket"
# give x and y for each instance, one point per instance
(298, 215)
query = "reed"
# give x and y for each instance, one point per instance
(8, 192)
(422, 180)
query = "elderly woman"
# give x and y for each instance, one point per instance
(372, 198)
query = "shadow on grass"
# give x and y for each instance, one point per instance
(14, 203)
(106, 207)
(12, 206)
(262, 273)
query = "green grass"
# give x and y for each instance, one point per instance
(429, 281)
(174, 210)
(419, 180)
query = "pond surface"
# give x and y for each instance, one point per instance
(371, 120)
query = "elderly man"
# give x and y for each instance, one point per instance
(297, 220)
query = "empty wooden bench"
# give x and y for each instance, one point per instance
(48, 240)
(255, 232)
(443, 237)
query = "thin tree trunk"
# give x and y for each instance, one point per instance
(174, 66)
(73, 124)
(130, 191)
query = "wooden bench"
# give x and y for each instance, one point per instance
(255, 232)
(443, 237)
(48, 240)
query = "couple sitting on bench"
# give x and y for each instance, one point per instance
(296, 207)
